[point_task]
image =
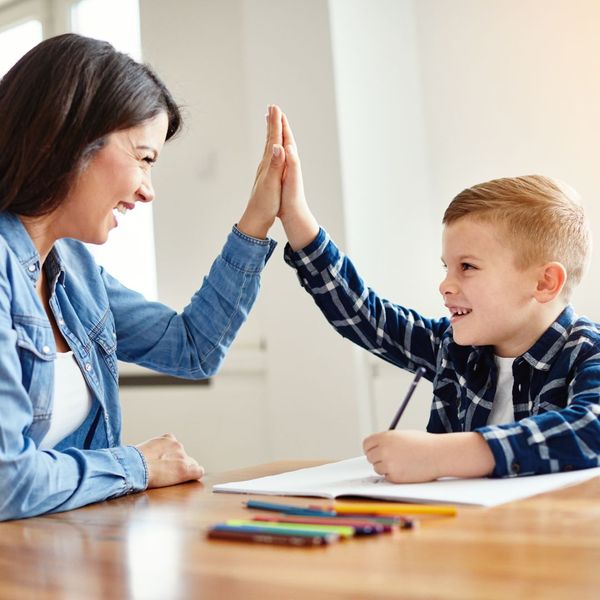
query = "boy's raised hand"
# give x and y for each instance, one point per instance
(299, 223)
(265, 199)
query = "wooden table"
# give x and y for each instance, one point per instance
(153, 545)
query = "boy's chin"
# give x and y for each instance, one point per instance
(463, 339)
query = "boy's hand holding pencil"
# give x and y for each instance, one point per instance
(417, 456)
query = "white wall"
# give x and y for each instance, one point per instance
(397, 106)
(226, 61)
(511, 87)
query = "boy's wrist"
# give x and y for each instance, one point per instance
(301, 228)
(464, 455)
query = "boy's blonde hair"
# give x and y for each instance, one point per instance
(541, 218)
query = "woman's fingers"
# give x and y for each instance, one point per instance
(167, 462)
(274, 129)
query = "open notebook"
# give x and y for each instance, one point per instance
(355, 477)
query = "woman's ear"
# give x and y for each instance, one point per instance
(551, 279)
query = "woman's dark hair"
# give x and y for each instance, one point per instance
(57, 105)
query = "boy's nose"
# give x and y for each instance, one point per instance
(447, 287)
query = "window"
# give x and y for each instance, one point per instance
(16, 40)
(129, 253)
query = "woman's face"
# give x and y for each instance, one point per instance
(116, 177)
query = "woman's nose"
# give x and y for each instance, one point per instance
(145, 192)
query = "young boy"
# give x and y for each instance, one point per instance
(516, 374)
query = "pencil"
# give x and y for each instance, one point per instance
(418, 374)
(343, 531)
(288, 509)
(262, 538)
(392, 508)
(361, 526)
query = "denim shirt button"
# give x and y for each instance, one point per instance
(46, 349)
(31, 268)
(88, 367)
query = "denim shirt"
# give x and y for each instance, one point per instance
(102, 322)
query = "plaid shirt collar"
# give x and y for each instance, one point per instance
(550, 344)
(546, 348)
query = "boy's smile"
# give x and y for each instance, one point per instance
(491, 301)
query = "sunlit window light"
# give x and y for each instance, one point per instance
(129, 253)
(16, 41)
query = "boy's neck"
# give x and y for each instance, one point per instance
(537, 325)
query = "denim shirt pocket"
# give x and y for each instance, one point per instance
(35, 342)
(104, 338)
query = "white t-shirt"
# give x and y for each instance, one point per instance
(502, 408)
(72, 400)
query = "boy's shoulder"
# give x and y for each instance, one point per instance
(583, 336)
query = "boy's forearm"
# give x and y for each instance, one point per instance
(464, 455)
(301, 228)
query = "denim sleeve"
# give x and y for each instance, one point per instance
(554, 441)
(193, 343)
(396, 334)
(34, 482)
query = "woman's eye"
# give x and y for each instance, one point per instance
(149, 160)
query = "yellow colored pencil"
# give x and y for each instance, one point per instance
(392, 508)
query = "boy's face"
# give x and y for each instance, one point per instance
(491, 302)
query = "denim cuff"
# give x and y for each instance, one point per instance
(134, 465)
(247, 253)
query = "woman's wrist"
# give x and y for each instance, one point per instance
(254, 226)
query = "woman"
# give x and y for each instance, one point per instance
(82, 125)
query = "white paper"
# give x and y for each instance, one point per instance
(355, 477)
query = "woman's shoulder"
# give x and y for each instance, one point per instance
(80, 269)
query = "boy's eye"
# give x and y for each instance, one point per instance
(466, 266)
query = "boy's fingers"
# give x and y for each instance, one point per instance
(293, 174)
(288, 136)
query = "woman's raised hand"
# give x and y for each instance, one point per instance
(265, 200)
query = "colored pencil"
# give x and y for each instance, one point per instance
(256, 528)
(262, 538)
(418, 374)
(361, 526)
(392, 508)
(342, 531)
(288, 509)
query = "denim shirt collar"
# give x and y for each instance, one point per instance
(15, 234)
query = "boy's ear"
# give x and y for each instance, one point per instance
(551, 280)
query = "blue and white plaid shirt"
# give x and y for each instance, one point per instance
(556, 391)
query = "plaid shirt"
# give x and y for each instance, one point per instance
(556, 391)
